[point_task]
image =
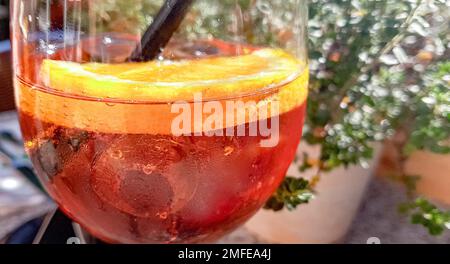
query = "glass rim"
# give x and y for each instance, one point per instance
(266, 90)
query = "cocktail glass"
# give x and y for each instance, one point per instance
(179, 148)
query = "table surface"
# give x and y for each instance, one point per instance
(377, 217)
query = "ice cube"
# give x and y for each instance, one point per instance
(51, 153)
(150, 176)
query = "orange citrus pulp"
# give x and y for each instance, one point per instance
(164, 81)
(85, 86)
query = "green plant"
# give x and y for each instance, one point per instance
(384, 72)
(292, 192)
(348, 40)
(430, 113)
(425, 213)
(425, 123)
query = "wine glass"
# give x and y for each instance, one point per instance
(154, 121)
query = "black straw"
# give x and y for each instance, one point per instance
(161, 30)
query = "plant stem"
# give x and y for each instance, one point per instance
(403, 30)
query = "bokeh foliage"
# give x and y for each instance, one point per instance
(378, 67)
(357, 47)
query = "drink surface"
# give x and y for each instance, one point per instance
(105, 151)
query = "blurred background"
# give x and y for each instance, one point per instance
(374, 164)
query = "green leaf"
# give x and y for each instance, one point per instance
(422, 212)
(291, 193)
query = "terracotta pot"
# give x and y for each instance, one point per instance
(328, 217)
(434, 172)
(433, 169)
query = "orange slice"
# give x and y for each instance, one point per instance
(137, 98)
(164, 81)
